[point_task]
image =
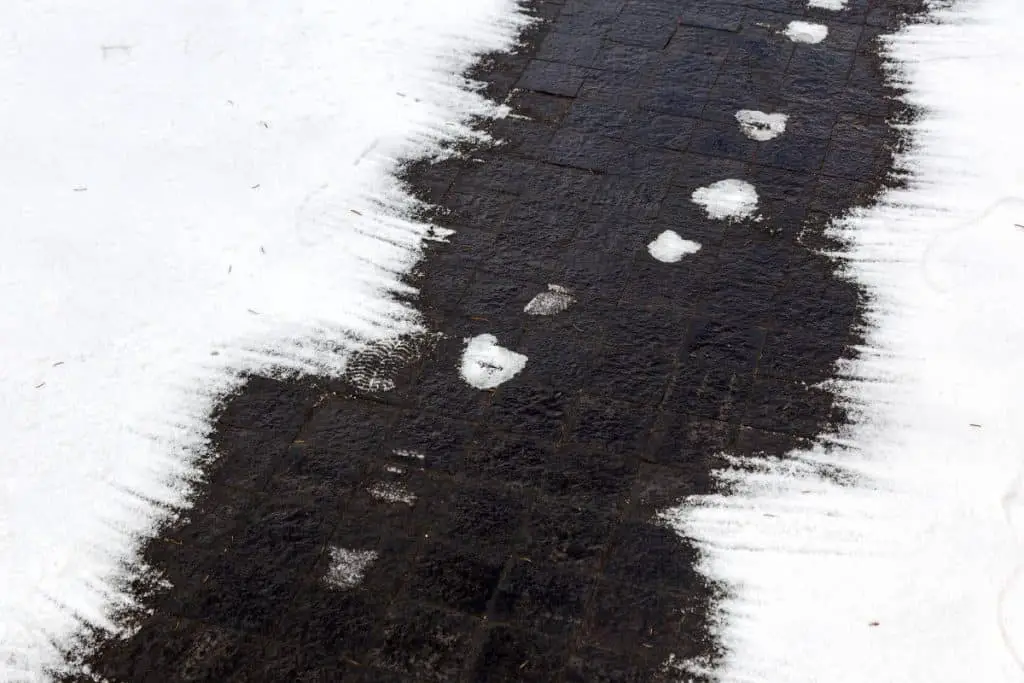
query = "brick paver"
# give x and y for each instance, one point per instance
(529, 552)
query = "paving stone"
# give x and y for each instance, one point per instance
(554, 78)
(711, 14)
(510, 654)
(568, 531)
(424, 644)
(540, 597)
(643, 28)
(455, 578)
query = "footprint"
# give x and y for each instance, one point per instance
(669, 247)
(834, 5)
(761, 126)
(553, 301)
(485, 365)
(727, 199)
(806, 32)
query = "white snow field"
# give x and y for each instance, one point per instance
(190, 189)
(916, 572)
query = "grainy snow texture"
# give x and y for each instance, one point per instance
(551, 302)
(392, 493)
(348, 567)
(806, 32)
(190, 189)
(486, 365)
(761, 126)
(915, 571)
(727, 199)
(669, 247)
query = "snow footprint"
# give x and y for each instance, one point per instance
(669, 247)
(486, 365)
(760, 125)
(727, 199)
(806, 32)
(555, 300)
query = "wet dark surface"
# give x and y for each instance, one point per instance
(530, 551)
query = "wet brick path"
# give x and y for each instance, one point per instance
(508, 535)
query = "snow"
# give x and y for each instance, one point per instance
(348, 567)
(190, 190)
(555, 300)
(760, 125)
(485, 365)
(912, 570)
(806, 32)
(392, 493)
(727, 199)
(834, 5)
(669, 247)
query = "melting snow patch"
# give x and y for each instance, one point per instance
(485, 365)
(806, 32)
(727, 199)
(348, 567)
(392, 493)
(553, 301)
(669, 247)
(761, 126)
(834, 5)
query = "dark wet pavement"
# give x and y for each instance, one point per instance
(523, 545)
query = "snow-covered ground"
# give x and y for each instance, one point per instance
(916, 572)
(189, 189)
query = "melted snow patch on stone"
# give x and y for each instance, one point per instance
(761, 126)
(834, 5)
(553, 301)
(486, 365)
(348, 567)
(392, 493)
(727, 199)
(669, 247)
(806, 32)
